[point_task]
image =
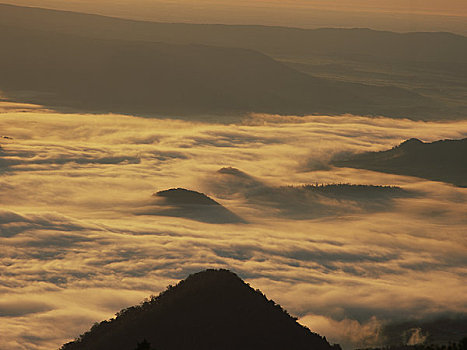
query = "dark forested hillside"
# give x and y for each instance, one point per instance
(444, 160)
(214, 310)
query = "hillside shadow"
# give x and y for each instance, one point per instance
(307, 201)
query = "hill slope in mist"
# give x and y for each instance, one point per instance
(213, 309)
(80, 62)
(180, 202)
(444, 160)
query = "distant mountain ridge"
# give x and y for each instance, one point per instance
(97, 64)
(425, 46)
(210, 310)
(444, 160)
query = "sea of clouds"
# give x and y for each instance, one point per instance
(75, 247)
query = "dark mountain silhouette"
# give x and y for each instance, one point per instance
(179, 202)
(77, 70)
(444, 160)
(214, 310)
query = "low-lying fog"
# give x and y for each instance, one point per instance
(75, 249)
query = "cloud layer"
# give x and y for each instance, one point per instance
(75, 251)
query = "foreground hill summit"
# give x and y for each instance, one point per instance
(213, 309)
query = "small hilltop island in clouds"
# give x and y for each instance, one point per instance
(316, 148)
(179, 202)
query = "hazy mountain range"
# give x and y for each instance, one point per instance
(437, 47)
(117, 76)
(100, 64)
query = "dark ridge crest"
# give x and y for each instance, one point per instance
(213, 309)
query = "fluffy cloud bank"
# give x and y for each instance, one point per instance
(74, 249)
